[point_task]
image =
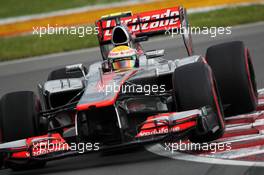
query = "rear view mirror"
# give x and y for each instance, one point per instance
(154, 53)
(105, 66)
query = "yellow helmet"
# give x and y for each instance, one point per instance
(122, 57)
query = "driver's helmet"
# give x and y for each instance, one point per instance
(122, 58)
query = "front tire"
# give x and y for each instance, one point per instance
(194, 87)
(19, 119)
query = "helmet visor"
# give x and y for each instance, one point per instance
(124, 63)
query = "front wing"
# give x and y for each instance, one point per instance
(53, 146)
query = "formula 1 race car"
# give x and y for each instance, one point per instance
(131, 97)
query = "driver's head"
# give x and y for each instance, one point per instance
(122, 58)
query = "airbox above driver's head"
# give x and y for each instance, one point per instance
(120, 36)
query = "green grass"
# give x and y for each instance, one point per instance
(26, 46)
(228, 17)
(32, 45)
(10, 8)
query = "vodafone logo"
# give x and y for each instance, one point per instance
(157, 131)
(156, 17)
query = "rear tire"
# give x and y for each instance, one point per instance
(194, 87)
(19, 119)
(235, 77)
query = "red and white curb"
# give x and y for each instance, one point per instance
(244, 134)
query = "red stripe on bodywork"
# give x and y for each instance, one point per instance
(83, 107)
(163, 129)
(158, 126)
(21, 155)
(104, 103)
(24, 152)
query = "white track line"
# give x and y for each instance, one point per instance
(237, 153)
(158, 149)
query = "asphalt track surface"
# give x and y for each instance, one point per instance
(26, 74)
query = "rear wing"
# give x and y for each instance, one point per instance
(146, 23)
(151, 23)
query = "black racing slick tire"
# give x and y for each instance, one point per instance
(195, 87)
(234, 72)
(62, 74)
(19, 119)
